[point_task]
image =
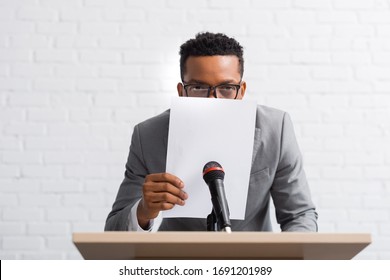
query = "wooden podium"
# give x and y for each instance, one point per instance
(220, 245)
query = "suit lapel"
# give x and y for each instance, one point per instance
(256, 144)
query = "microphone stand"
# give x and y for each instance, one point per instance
(214, 225)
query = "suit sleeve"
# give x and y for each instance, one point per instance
(130, 190)
(290, 191)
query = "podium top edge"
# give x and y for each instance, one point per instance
(220, 237)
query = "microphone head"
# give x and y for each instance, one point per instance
(213, 170)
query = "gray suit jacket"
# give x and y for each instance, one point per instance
(276, 171)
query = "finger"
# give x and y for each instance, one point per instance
(164, 187)
(166, 206)
(160, 206)
(158, 197)
(165, 177)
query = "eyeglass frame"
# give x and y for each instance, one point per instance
(213, 88)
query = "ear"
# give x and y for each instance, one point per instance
(241, 92)
(180, 89)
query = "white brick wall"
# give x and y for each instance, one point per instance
(77, 75)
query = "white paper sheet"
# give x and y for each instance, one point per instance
(209, 129)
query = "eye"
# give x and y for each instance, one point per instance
(198, 87)
(227, 87)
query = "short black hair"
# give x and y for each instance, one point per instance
(209, 44)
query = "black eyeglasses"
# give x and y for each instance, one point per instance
(226, 91)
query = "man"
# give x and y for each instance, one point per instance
(212, 66)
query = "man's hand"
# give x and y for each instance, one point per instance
(161, 191)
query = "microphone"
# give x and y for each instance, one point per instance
(213, 175)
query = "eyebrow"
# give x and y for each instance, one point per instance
(230, 81)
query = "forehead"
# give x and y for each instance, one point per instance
(212, 69)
